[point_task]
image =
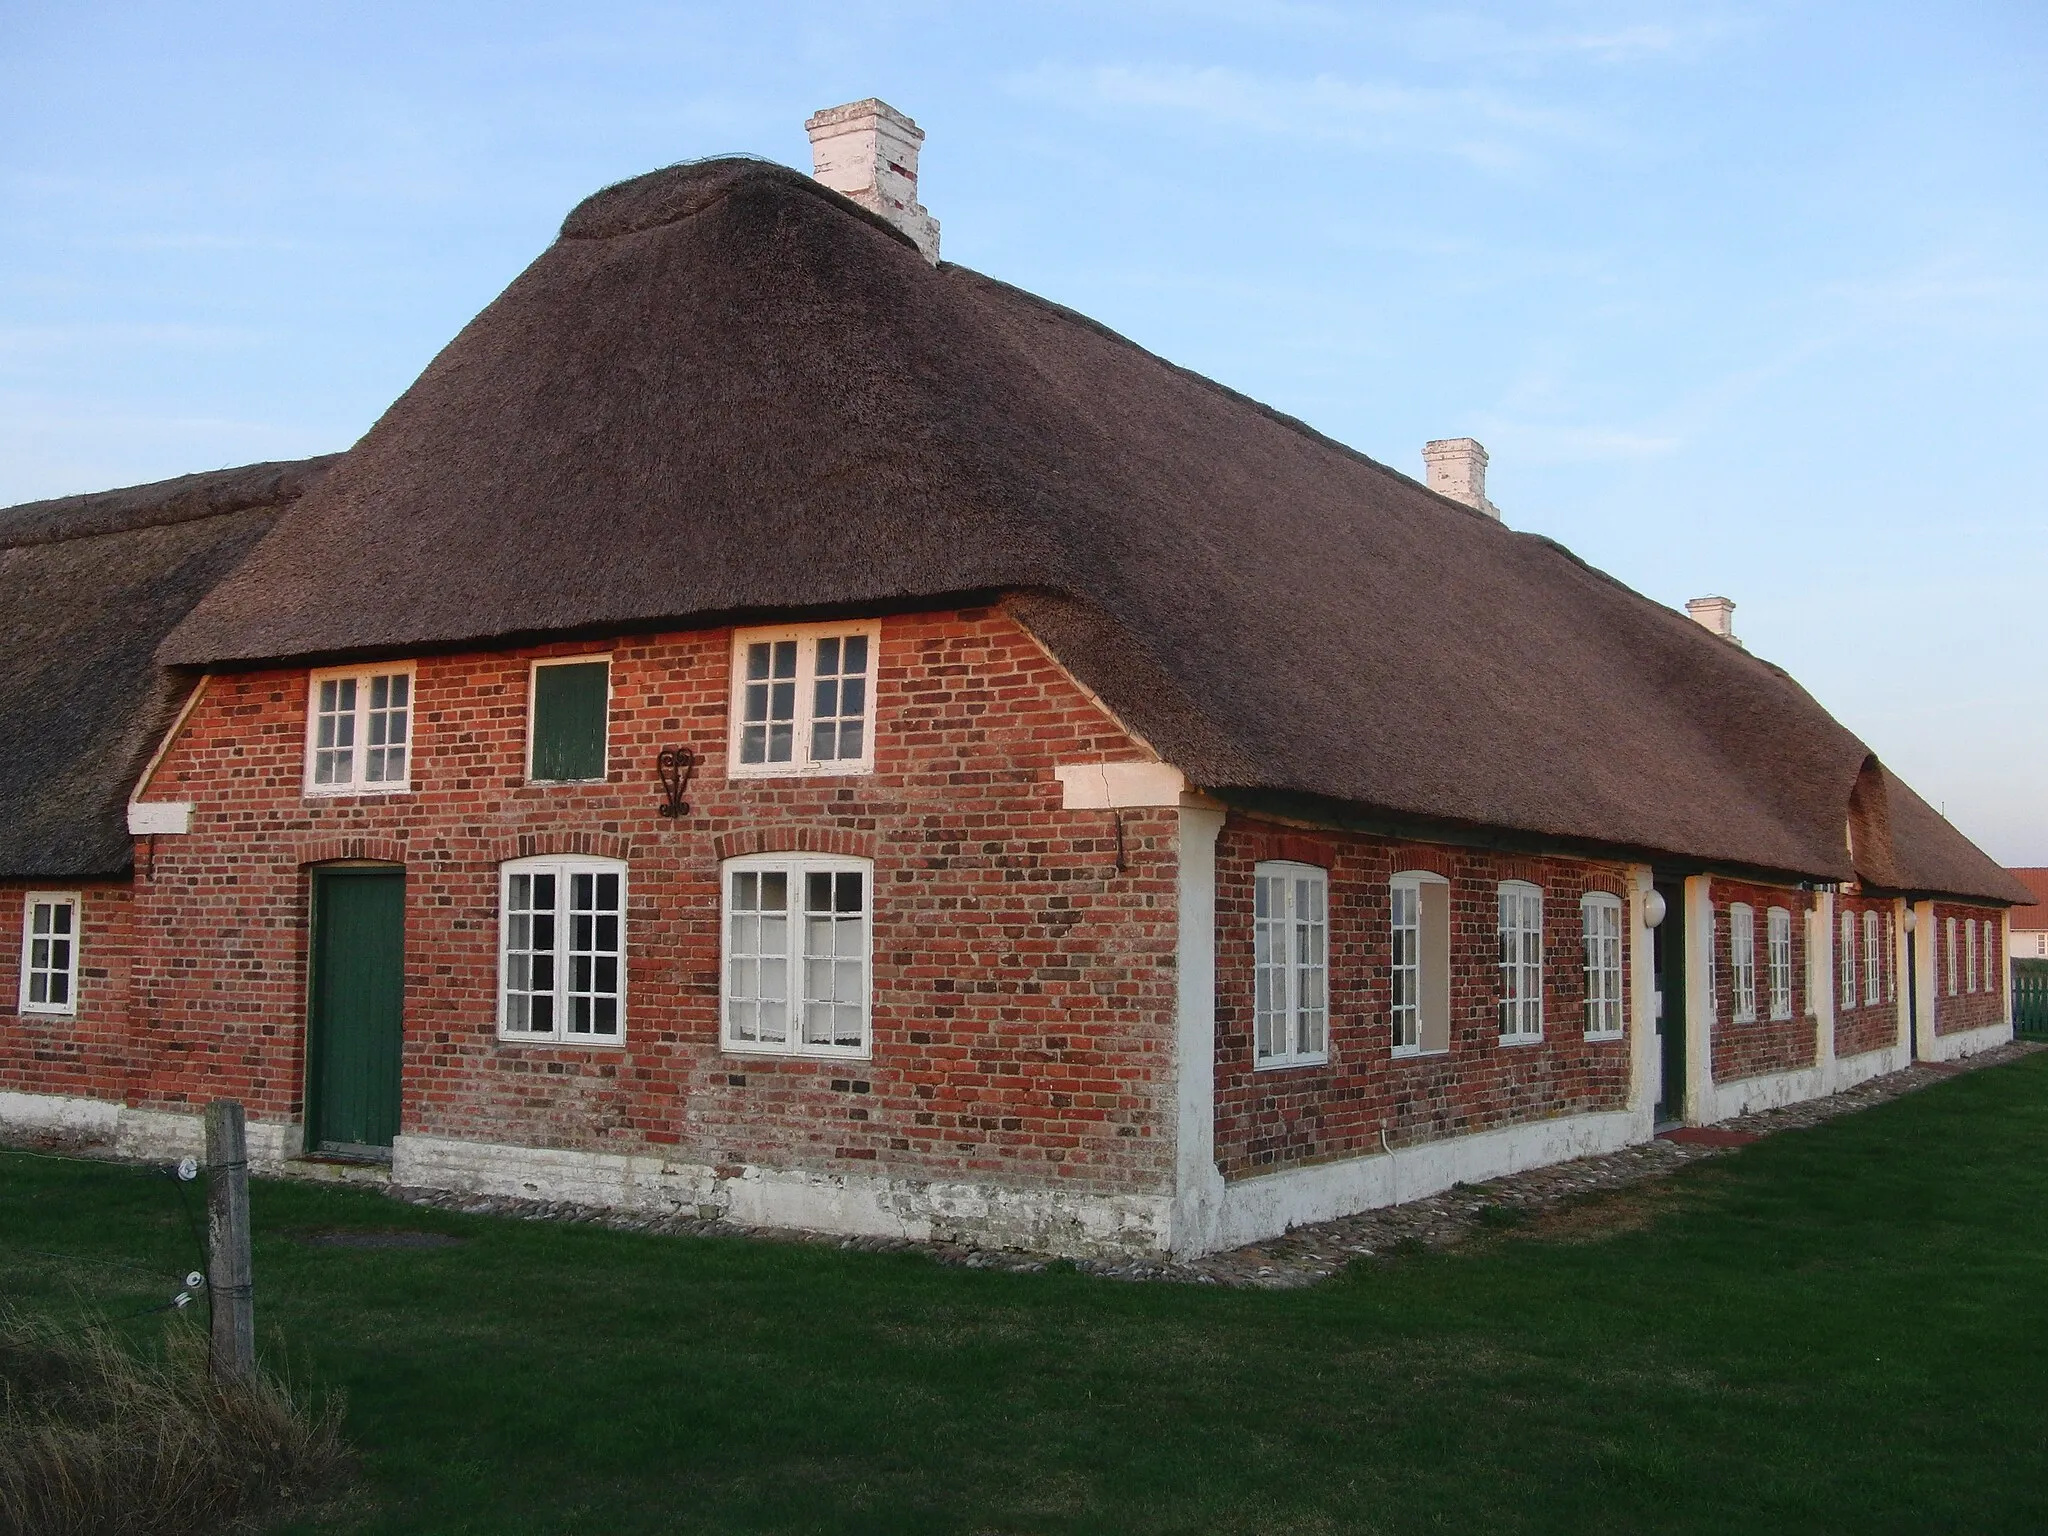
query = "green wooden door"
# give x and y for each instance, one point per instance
(358, 999)
(1669, 953)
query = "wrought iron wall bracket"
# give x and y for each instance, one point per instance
(675, 767)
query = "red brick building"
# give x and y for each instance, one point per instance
(773, 724)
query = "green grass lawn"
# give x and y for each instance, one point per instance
(1843, 1329)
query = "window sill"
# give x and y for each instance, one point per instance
(360, 792)
(566, 783)
(1417, 1053)
(1521, 1039)
(1606, 1036)
(1290, 1063)
(31, 1011)
(808, 1053)
(820, 771)
(559, 1043)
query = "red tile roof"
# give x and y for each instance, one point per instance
(2035, 880)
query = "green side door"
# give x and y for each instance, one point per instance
(358, 1001)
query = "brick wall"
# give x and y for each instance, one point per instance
(1761, 1044)
(1286, 1117)
(1023, 981)
(82, 1054)
(1861, 1026)
(1970, 1006)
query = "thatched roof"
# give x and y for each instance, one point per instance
(88, 587)
(1930, 857)
(726, 391)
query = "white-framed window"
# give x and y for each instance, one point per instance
(1990, 955)
(1873, 960)
(1742, 960)
(803, 700)
(49, 952)
(1848, 960)
(1891, 961)
(799, 936)
(1970, 953)
(1419, 905)
(1290, 965)
(1778, 960)
(1950, 947)
(359, 730)
(1601, 914)
(562, 950)
(1521, 961)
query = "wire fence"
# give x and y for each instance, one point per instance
(178, 1281)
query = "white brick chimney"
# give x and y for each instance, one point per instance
(1457, 469)
(1714, 614)
(868, 150)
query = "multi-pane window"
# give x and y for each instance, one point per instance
(803, 700)
(1848, 960)
(1420, 909)
(1742, 961)
(1778, 960)
(797, 937)
(1290, 964)
(562, 950)
(1970, 953)
(1950, 947)
(359, 732)
(49, 952)
(1602, 916)
(571, 716)
(1990, 956)
(1521, 961)
(1873, 960)
(1891, 962)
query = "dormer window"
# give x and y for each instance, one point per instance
(803, 701)
(359, 731)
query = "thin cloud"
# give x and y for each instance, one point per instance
(1477, 125)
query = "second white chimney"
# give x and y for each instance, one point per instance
(1457, 469)
(868, 150)
(1715, 614)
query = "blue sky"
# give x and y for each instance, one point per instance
(1745, 299)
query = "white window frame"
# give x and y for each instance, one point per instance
(1970, 953)
(1604, 964)
(1299, 949)
(801, 765)
(1950, 949)
(533, 670)
(1873, 960)
(1742, 961)
(1778, 960)
(1521, 1006)
(1405, 889)
(1990, 955)
(74, 901)
(362, 677)
(563, 866)
(797, 866)
(1847, 965)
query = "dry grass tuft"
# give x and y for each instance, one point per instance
(95, 1439)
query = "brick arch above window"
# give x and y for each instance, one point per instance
(786, 839)
(330, 850)
(531, 845)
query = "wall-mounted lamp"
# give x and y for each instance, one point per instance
(1653, 908)
(1911, 920)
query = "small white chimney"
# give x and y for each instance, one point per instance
(1457, 469)
(868, 150)
(1714, 614)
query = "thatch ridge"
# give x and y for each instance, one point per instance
(209, 493)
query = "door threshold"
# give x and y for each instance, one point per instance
(349, 1153)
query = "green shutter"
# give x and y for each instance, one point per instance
(569, 705)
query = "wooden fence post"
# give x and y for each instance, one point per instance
(230, 1273)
